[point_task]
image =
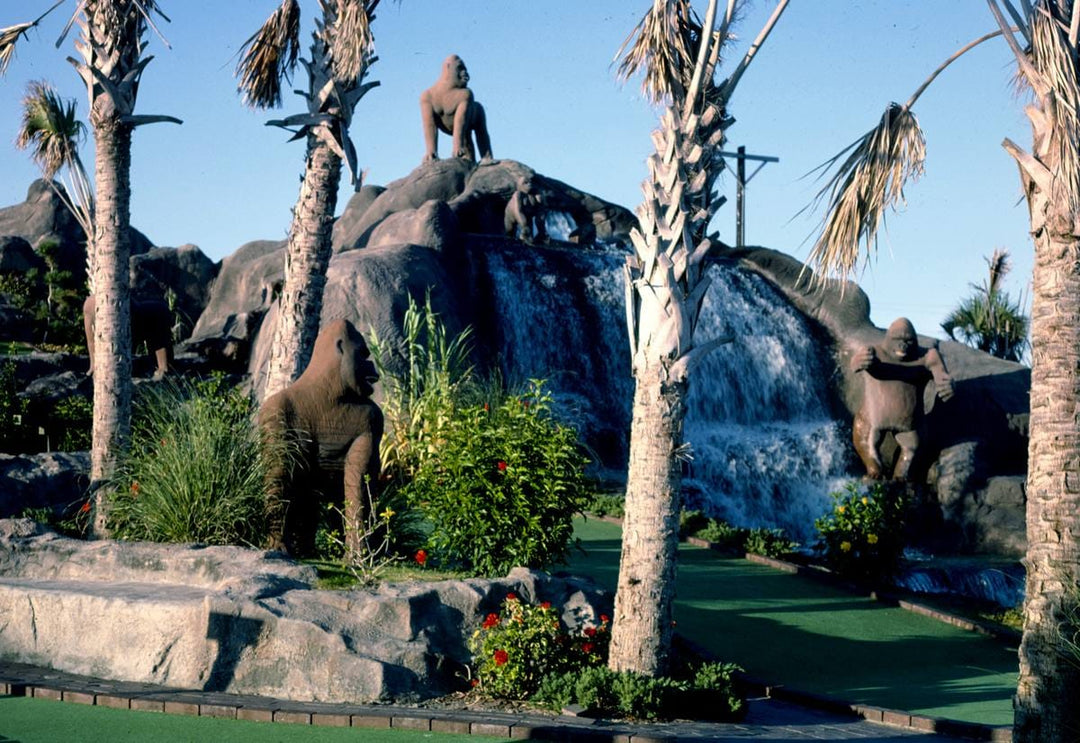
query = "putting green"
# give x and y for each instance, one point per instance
(28, 720)
(786, 629)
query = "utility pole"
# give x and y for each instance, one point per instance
(741, 179)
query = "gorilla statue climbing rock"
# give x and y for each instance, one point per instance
(324, 433)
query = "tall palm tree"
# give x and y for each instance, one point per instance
(52, 132)
(1044, 40)
(342, 50)
(665, 285)
(990, 320)
(111, 63)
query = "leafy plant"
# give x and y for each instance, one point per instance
(195, 471)
(516, 649)
(606, 504)
(862, 538)
(989, 319)
(73, 417)
(13, 432)
(504, 487)
(769, 543)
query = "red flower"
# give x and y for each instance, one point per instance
(590, 631)
(135, 487)
(490, 621)
(474, 683)
(501, 465)
(420, 557)
(525, 403)
(501, 657)
(486, 407)
(85, 507)
(604, 619)
(511, 596)
(587, 647)
(545, 605)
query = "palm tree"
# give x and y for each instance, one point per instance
(989, 319)
(52, 132)
(111, 46)
(341, 53)
(1044, 41)
(665, 284)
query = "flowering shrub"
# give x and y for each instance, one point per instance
(514, 650)
(504, 486)
(862, 538)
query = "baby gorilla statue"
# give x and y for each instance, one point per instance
(324, 434)
(448, 107)
(897, 371)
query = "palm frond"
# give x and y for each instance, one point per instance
(1054, 59)
(269, 56)
(10, 36)
(662, 47)
(349, 36)
(999, 266)
(49, 128)
(869, 181)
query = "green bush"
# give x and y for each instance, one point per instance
(13, 431)
(195, 471)
(73, 417)
(504, 487)
(863, 537)
(516, 649)
(710, 693)
(606, 504)
(769, 543)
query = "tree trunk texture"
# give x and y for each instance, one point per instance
(1047, 704)
(112, 320)
(306, 261)
(643, 622)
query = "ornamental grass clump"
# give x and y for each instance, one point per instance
(516, 649)
(863, 537)
(505, 486)
(195, 471)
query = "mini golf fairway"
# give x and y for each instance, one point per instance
(786, 629)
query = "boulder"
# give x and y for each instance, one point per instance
(347, 227)
(433, 225)
(185, 270)
(18, 256)
(55, 481)
(243, 621)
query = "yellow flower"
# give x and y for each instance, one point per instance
(841, 509)
(871, 538)
(845, 546)
(388, 513)
(865, 501)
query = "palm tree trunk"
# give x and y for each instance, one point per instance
(112, 323)
(306, 262)
(643, 626)
(1048, 693)
(1047, 705)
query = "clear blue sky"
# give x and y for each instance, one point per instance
(543, 72)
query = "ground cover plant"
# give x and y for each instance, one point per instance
(736, 539)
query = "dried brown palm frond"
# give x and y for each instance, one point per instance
(50, 128)
(349, 36)
(1054, 58)
(999, 266)
(10, 36)
(868, 182)
(269, 56)
(662, 47)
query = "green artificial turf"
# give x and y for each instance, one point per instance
(28, 720)
(786, 629)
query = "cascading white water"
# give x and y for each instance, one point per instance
(767, 450)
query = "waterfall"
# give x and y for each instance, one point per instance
(767, 450)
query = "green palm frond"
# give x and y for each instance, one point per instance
(349, 36)
(866, 184)
(269, 56)
(49, 128)
(989, 319)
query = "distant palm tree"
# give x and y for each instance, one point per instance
(665, 284)
(989, 319)
(342, 50)
(1045, 41)
(111, 65)
(52, 132)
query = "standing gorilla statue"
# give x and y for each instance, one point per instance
(151, 323)
(897, 371)
(448, 106)
(324, 431)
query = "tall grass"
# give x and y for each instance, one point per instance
(196, 469)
